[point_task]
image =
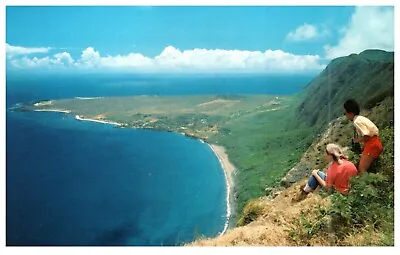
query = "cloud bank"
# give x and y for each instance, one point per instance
(369, 28)
(18, 50)
(173, 59)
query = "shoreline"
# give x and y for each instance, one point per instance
(77, 117)
(228, 169)
(52, 110)
(88, 98)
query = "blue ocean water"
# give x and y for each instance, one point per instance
(82, 183)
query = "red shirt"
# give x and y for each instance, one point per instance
(338, 175)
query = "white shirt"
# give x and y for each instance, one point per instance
(364, 126)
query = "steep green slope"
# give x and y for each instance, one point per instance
(367, 77)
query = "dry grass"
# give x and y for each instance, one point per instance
(273, 226)
(365, 237)
(279, 224)
(100, 116)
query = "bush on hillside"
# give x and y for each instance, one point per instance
(368, 202)
(250, 213)
(374, 101)
(385, 163)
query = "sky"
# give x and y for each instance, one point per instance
(272, 39)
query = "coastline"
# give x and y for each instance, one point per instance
(52, 110)
(228, 169)
(88, 98)
(99, 121)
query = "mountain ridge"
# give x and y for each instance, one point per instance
(366, 77)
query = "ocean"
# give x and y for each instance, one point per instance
(80, 183)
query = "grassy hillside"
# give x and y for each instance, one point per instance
(366, 77)
(363, 218)
(263, 149)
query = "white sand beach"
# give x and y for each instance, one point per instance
(52, 110)
(99, 121)
(88, 98)
(229, 169)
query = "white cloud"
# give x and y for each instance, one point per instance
(369, 28)
(18, 50)
(130, 60)
(307, 32)
(172, 59)
(63, 59)
(89, 58)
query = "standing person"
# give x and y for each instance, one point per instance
(338, 175)
(368, 134)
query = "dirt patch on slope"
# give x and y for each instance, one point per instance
(272, 228)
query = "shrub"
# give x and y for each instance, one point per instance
(385, 163)
(305, 227)
(369, 202)
(250, 213)
(366, 190)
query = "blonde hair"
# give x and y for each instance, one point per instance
(336, 151)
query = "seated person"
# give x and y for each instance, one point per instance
(337, 176)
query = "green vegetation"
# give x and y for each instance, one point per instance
(364, 217)
(367, 78)
(309, 225)
(199, 116)
(263, 146)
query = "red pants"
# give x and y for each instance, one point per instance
(373, 147)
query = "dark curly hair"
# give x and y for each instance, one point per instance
(352, 106)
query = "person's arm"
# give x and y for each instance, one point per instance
(325, 184)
